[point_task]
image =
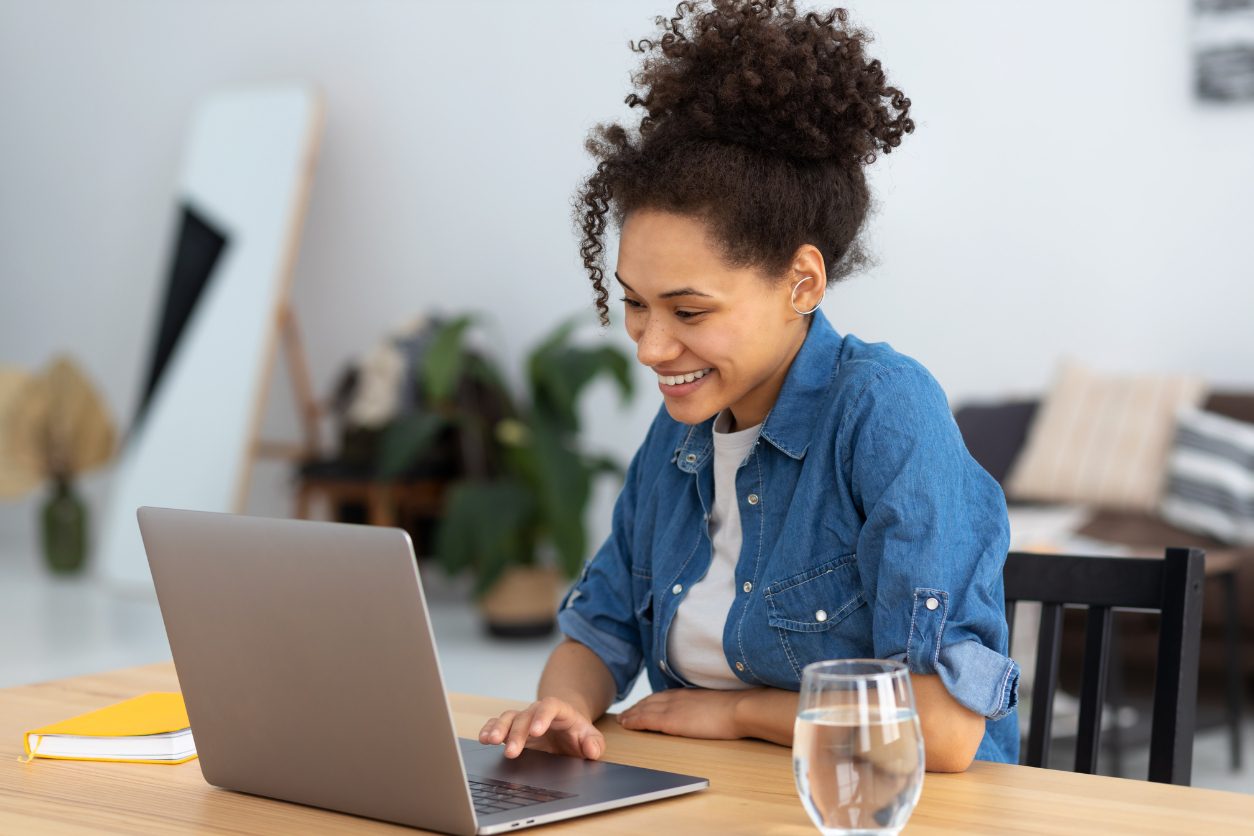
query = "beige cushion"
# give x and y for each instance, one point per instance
(1101, 439)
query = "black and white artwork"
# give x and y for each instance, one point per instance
(196, 252)
(1223, 50)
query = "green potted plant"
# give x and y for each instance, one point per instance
(516, 520)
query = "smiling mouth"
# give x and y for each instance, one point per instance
(679, 379)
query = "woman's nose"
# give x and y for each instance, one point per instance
(655, 346)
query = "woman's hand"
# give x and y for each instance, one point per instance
(764, 713)
(687, 712)
(550, 725)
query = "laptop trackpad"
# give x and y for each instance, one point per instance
(593, 784)
(535, 768)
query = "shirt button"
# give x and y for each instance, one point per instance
(690, 458)
(821, 615)
(677, 588)
(748, 587)
(931, 603)
(740, 666)
(753, 499)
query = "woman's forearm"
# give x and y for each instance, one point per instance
(951, 732)
(767, 714)
(578, 676)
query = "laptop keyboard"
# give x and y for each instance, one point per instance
(492, 796)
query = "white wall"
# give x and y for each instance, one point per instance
(1063, 193)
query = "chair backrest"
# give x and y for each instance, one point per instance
(1172, 586)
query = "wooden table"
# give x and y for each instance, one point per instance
(751, 787)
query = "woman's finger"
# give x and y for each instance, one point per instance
(643, 715)
(494, 730)
(545, 712)
(518, 733)
(592, 746)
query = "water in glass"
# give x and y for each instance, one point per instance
(857, 750)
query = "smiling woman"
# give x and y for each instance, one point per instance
(802, 495)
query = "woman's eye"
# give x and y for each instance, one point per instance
(688, 314)
(631, 303)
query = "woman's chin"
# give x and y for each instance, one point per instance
(688, 413)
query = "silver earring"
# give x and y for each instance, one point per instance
(794, 298)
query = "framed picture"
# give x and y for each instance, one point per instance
(1223, 50)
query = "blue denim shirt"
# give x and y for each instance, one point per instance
(868, 531)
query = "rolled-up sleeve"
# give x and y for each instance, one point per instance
(934, 541)
(599, 610)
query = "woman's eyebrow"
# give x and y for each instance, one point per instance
(670, 294)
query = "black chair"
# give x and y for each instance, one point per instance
(1173, 586)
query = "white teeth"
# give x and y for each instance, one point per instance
(675, 380)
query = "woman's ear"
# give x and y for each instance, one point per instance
(807, 261)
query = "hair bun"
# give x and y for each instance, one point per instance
(759, 75)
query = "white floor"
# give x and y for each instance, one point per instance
(57, 627)
(53, 627)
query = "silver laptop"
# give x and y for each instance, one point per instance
(306, 658)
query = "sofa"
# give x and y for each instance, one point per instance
(996, 434)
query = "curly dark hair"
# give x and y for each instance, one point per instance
(758, 121)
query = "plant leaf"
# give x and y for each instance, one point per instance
(481, 369)
(443, 360)
(603, 466)
(406, 440)
(563, 484)
(559, 336)
(559, 373)
(487, 527)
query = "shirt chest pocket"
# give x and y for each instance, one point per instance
(805, 607)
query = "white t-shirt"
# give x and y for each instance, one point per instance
(694, 646)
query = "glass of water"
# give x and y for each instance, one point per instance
(857, 752)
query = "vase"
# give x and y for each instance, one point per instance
(523, 603)
(64, 528)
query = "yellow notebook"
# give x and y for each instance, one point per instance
(152, 728)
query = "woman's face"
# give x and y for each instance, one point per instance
(717, 336)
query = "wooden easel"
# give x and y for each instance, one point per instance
(308, 408)
(310, 412)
